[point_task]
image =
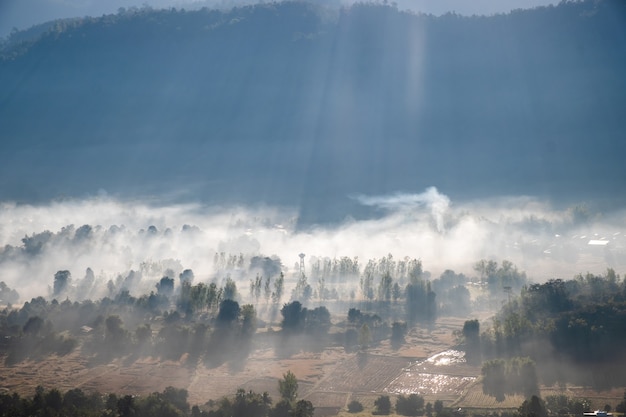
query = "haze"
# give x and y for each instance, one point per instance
(21, 14)
(299, 128)
(125, 236)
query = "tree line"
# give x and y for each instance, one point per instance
(171, 402)
(560, 331)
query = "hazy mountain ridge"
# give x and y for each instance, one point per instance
(290, 104)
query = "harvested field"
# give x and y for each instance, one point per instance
(445, 373)
(474, 398)
(363, 373)
(329, 379)
(425, 384)
(328, 399)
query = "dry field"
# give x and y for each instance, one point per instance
(330, 379)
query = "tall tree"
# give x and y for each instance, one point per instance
(288, 387)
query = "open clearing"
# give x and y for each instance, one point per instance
(426, 364)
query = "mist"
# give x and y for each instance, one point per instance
(113, 237)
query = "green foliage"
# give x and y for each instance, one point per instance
(471, 334)
(250, 404)
(578, 318)
(172, 402)
(281, 409)
(355, 407)
(413, 405)
(382, 405)
(317, 321)
(420, 302)
(398, 330)
(494, 378)
(248, 320)
(498, 277)
(517, 375)
(293, 317)
(438, 406)
(365, 336)
(288, 387)
(61, 281)
(471, 330)
(228, 313)
(303, 408)
(533, 407)
(165, 286)
(564, 405)
(230, 289)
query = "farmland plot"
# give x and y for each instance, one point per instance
(443, 373)
(364, 373)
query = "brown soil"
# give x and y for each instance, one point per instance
(329, 379)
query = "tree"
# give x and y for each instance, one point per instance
(281, 409)
(126, 406)
(186, 276)
(494, 380)
(143, 334)
(248, 320)
(115, 335)
(177, 397)
(293, 317)
(165, 286)
(438, 406)
(303, 408)
(317, 321)
(288, 386)
(396, 292)
(230, 289)
(279, 286)
(471, 333)
(534, 407)
(250, 404)
(398, 330)
(385, 287)
(228, 313)
(33, 326)
(410, 406)
(365, 336)
(61, 281)
(54, 399)
(383, 405)
(355, 407)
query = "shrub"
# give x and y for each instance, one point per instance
(355, 407)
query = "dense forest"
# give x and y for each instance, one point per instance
(572, 330)
(289, 102)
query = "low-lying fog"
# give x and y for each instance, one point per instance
(113, 237)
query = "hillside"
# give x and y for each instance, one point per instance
(298, 105)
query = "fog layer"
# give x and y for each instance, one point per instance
(114, 237)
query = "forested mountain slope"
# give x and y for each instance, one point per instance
(294, 104)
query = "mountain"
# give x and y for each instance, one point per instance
(297, 104)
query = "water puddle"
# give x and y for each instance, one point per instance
(439, 374)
